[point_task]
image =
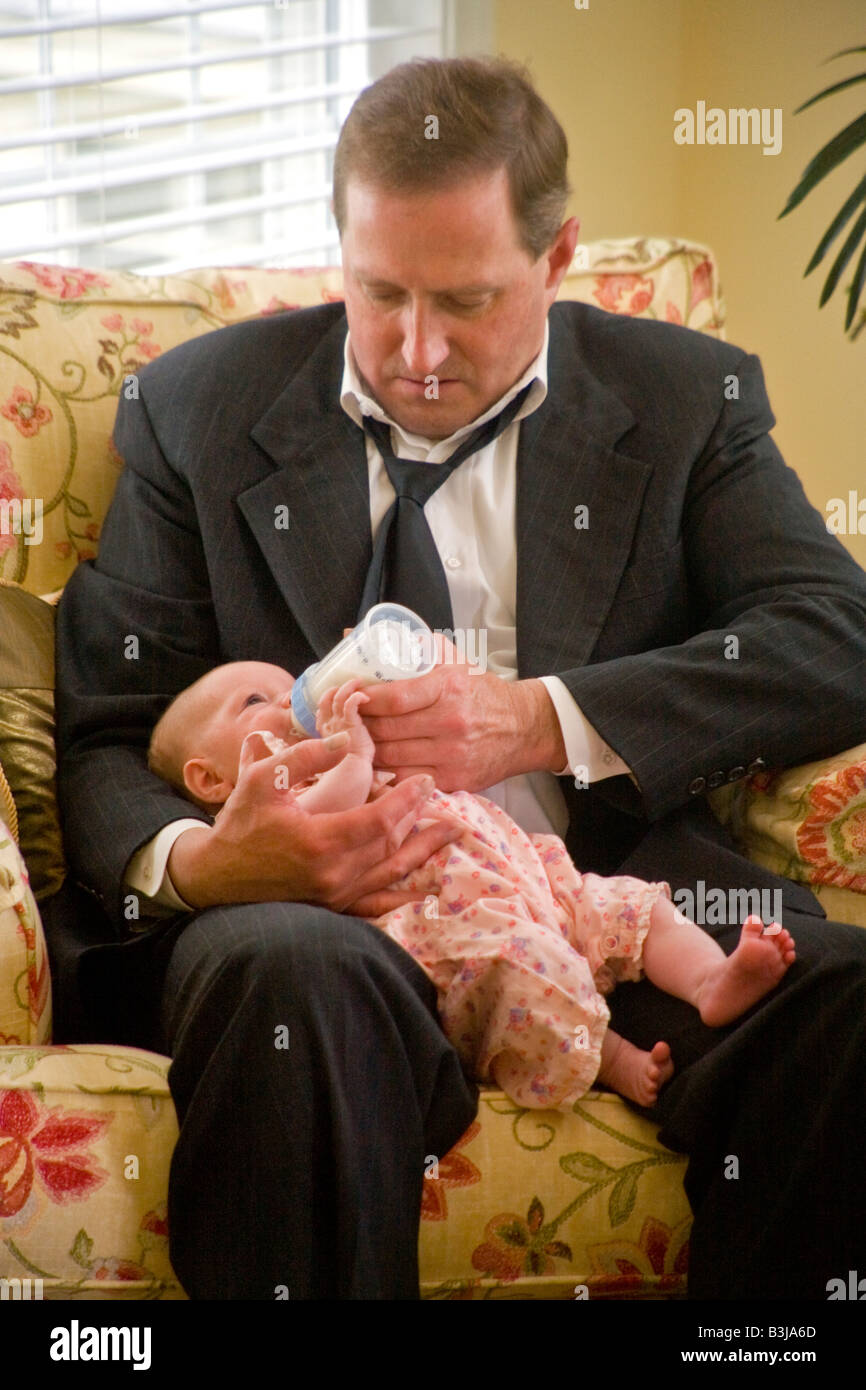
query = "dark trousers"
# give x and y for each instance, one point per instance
(311, 1080)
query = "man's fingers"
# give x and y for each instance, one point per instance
(411, 855)
(377, 904)
(403, 697)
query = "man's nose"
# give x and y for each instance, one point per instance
(425, 342)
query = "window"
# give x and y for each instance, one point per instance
(156, 135)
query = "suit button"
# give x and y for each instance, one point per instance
(756, 765)
(736, 773)
(715, 779)
(697, 786)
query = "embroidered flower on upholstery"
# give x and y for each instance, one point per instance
(69, 284)
(832, 838)
(454, 1170)
(623, 294)
(515, 1245)
(658, 1261)
(46, 1144)
(27, 415)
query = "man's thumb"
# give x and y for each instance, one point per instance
(315, 755)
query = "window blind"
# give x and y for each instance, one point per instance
(157, 136)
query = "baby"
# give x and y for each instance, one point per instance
(521, 946)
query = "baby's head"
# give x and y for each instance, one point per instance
(196, 745)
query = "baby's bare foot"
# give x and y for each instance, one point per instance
(756, 966)
(636, 1074)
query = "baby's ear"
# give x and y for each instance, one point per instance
(204, 784)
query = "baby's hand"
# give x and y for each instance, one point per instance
(339, 711)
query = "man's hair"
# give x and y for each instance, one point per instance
(489, 116)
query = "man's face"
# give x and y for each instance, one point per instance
(437, 284)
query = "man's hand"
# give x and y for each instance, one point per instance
(265, 848)
(467, 729)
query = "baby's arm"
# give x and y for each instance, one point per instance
(348, 784)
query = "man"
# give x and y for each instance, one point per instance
(303, 1167)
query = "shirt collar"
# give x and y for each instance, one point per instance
(357, 402)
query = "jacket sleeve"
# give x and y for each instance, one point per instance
(774, 667)
(134, 627)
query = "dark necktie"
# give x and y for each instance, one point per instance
(406, 567)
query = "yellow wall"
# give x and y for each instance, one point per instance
(615, 73)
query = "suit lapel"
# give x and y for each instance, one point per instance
(567, 575)
(320, 561)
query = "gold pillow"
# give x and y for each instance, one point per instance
(27, 759)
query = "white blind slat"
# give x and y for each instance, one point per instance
(100, 76)
(157, 137)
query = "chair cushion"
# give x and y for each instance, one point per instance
(86, 1137)
(27, 756)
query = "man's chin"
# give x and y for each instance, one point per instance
(434, 417)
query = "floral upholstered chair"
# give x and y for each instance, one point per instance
(529, 1204)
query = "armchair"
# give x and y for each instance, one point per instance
(528, 1204)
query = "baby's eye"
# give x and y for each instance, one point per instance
(255, 699)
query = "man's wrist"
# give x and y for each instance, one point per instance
(190, 869)
(538, 727)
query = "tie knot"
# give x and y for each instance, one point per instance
(418, 480)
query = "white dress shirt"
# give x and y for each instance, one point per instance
(472, 520)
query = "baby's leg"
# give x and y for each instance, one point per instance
(635, 1074)
(686, 962)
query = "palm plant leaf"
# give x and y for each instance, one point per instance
(827, 159)
(843, 215)
(844, 256)
(829, 91)
(846, 143)
(854, 292)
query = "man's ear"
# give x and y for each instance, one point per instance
(560, 254)
(204, 783)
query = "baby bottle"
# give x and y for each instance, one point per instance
(390, 644)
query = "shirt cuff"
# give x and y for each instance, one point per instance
(147, 871)
(587, 753)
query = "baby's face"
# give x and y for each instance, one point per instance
(236, 700)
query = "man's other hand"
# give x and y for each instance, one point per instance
(265, 848)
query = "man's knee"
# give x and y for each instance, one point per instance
(297, 953)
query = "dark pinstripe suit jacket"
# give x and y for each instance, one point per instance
(697, 532)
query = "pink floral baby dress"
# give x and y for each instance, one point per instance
(522, 949)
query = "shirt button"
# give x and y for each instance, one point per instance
(452, 562)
